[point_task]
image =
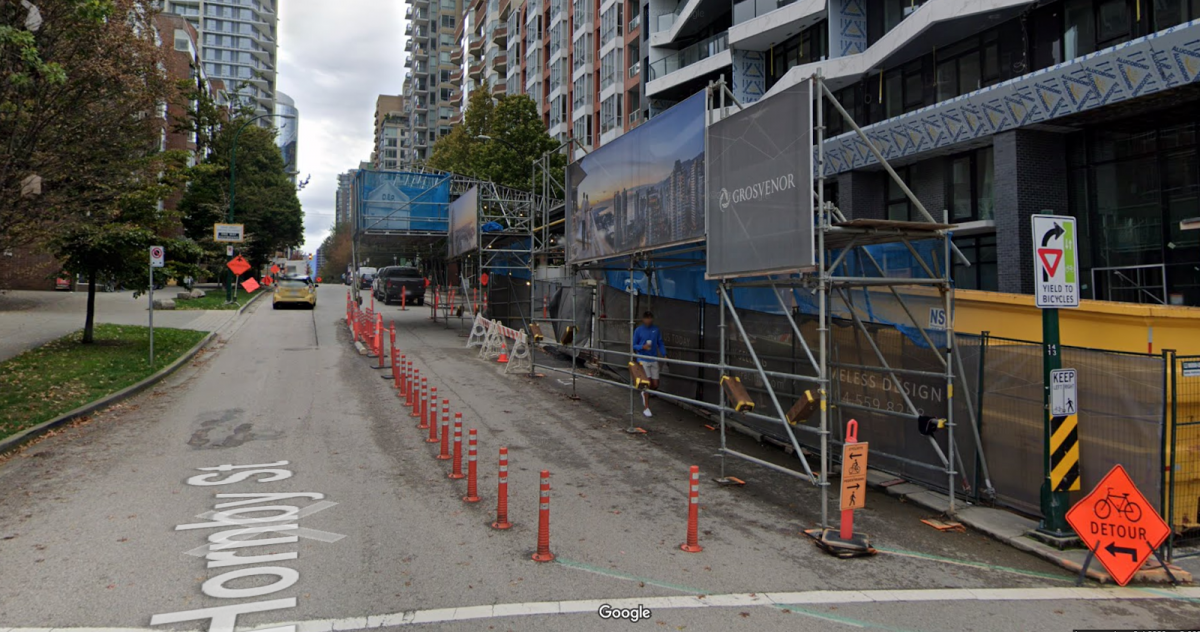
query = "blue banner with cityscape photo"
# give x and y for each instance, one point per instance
(401, 203)
(642, 191)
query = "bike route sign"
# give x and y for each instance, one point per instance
(1118, 525)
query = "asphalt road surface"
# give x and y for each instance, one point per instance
(110, 525)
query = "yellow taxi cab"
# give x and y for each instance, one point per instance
(295, 291)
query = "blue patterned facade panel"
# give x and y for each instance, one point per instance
(749, 75)
(1157, 62)
(847, 27)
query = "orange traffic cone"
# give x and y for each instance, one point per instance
(503, 359)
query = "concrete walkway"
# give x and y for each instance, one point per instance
(31, 319)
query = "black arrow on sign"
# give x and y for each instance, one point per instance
(854, 486)
(1114, 550)
(1055, 233)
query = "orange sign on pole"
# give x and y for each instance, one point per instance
(239, 265)
(483, 279)
(1118, 525)
(267, 280)
(854, 476)
(250, 285)
(274, 269)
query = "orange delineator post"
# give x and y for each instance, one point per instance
(433, 427)
(430, 416)
(423, 399)
(444, 453)
(693, 537)
(543, 535)
(415, 400)
(379, 338)
(472, 456)
(502, 494)
(403, 301)
(456, 464)
(399, 371)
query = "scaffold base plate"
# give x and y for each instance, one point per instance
(830, 541)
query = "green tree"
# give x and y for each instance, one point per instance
(78, 93)
(335, 252)
(517, 139)
(111, 243)
(266, 200)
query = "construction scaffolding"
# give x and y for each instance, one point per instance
(853, 288)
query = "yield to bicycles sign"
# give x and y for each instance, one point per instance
(1118, 525)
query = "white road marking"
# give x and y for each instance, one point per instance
(737, 600)
(301, 532)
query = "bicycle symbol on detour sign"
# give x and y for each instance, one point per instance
(1118, 525)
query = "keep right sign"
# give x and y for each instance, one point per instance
(1118, 525)
(1055, 261)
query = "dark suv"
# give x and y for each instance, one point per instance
(394, 282)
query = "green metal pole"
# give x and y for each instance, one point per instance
(1054, 504)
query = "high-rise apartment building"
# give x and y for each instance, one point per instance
(579, 60)
(343, 203)
(287, 121)
(432, 84)
(391, 124)
(238, 41)
(990, 109)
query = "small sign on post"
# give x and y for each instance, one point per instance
(158, 258)
(1055, 261)
(229, 233)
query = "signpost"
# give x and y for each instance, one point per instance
(157, 260)
(1119, 527)
(854, 479)
(238, 266)
(1056, 285)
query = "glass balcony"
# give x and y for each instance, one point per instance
(750, 9)
(690, 55)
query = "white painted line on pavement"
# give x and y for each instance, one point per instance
(736, 600)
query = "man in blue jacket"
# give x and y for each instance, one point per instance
(649, 347)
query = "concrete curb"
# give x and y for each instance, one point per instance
(15, 441)
(1011, 529)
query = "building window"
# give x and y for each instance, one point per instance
(903, 90)
(981, 275)
(1168, 13)
(899, 208)
(969, 184)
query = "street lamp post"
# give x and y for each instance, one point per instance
(229, 289)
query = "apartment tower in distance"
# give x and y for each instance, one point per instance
(238, 45)
(432, 83)
(579, 60)
(391, 124)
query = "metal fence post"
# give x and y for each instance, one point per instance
(1170, 434)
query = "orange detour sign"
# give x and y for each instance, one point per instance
(274, 269)
(250, 285)
(854, 476)
(239, 265)
(483, 279)
(267, 280)
(1118, 525)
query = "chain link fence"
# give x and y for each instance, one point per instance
(1183, 458)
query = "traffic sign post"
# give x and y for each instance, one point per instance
(1056, 285)
(158, 258)
(237, 266)
(1119, 527)
(854, 479)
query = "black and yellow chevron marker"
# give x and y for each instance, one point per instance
(1064, 453)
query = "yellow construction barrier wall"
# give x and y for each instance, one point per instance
(1095, 324)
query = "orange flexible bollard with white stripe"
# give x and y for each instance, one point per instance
(456, 464)
(472, 471)
(693, 528)
(502, 522)
(543, 535)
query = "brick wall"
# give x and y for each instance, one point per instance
(1030, 177)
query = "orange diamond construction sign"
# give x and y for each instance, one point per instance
(1118, 525)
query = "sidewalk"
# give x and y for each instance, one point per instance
(31, 319)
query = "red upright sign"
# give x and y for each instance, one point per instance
(250, 285)
(1118, 524)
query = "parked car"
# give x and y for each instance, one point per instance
(396, 282)
(365, 277)
(295, 291)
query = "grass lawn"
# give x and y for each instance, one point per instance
(63, 375)
(215, 299)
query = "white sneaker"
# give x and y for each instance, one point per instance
(647, 413)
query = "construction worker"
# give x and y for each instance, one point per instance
(649, 347)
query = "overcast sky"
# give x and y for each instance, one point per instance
(334, 59)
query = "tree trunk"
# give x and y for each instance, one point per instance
(89, 324)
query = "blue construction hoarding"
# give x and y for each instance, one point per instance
(401, 203)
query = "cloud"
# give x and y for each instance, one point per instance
(335, 58)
